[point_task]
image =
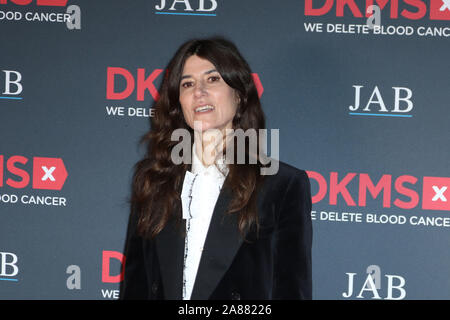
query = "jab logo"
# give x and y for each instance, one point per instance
(372, 287)
(47, 173)
(51, 3)
(8, 266)
(414, 9)
(187, 8)
(13, 87)
(435, 190)
(401, 105)
(121, 83)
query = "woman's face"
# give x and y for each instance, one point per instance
(205, 96)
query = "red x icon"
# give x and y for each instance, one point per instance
(440, 9)
(436, 193)
(48, 173)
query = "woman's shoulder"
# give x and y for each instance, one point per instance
(285, 176)
(287, 171)
(291, 170)
(289, 187)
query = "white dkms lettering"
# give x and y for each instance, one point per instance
(139, 112)
(33, 200)
(380, 219)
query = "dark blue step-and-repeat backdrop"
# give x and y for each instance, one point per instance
(358, 89)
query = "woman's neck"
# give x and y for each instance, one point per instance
(209, 145)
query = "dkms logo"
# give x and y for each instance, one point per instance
(139, 84)
(71, 17)
(52, 3)
(122, 83)
(435, 191)
(410, 9)
(46, 173)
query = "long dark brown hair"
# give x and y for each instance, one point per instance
(157, 181)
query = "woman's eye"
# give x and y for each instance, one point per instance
(214, 78)
(186, 84)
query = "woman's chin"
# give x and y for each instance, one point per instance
(202, 126)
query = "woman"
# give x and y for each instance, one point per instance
(214, 228)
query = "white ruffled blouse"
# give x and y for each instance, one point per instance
(201, 188)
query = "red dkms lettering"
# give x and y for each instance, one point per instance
(51, 3)
(121, 83)
(46, 173)
(413, 9)
(107, 277)
(435, 191)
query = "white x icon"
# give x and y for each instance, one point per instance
(48, 173)
(445, 5)
(439, 194)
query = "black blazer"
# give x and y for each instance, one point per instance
(276, 265)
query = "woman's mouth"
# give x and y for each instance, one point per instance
(204, 108)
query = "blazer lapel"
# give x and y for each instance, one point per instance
(222, 242)
(170, 247)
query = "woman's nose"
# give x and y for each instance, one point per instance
(200, 89)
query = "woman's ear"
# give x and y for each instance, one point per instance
(238, 99)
